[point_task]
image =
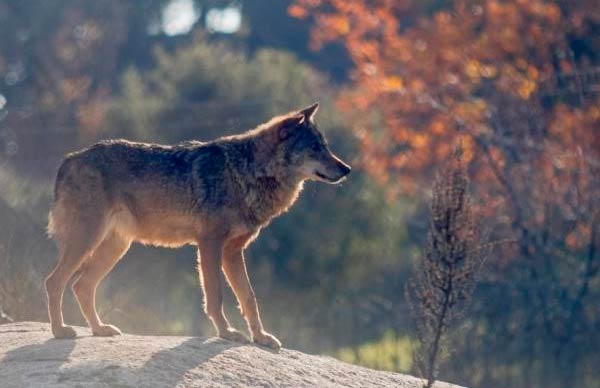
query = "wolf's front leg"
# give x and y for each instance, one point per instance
(235, 269)
(209, 257)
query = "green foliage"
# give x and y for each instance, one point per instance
(205, 90)
(27, 195)
(391, 352)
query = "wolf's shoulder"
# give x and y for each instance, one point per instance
(208, 157)
(190, 144)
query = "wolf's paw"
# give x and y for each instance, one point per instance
(106, 331)
(232, 334)
(267, 340)
(64, 332)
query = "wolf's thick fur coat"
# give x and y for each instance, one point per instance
(216, 195)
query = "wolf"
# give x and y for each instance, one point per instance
(216, 195)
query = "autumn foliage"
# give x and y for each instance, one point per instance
(519, 82)
(418, 77)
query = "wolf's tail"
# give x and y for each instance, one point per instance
(58, 185)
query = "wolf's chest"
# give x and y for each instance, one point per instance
(268, 199)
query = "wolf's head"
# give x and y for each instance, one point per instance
(305, 150)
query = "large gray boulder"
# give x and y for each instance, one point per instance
(30, 357)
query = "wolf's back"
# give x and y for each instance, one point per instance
(119, 170)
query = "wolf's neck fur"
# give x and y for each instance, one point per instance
(269, 184)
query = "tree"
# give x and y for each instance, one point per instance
(518, 81)
(446, 275)
(59, 59)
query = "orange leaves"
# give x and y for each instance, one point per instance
(579, 238)
(417, 85)
(574, 126)
(421, 79)
(301, 9)
(393, 84)
(526, 88)
(336, 24)
(472, 70)
(367, 52)
(418, 141)
(297, 11)
(472, 111)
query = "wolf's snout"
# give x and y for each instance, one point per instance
(344, 168)
(337, 171)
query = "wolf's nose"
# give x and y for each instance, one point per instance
(346, 169)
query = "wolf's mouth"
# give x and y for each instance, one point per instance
(327, 178)
(323, 176)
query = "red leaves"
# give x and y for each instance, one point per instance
(417, 75)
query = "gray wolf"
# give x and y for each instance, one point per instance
(216, 195)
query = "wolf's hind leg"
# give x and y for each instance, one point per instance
(209, 256)
(93, 270)
(74, 248)
(234, 267)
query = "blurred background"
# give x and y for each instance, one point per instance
(399, 82)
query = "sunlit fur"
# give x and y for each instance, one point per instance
(216, 195)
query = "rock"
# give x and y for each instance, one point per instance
(30, 357)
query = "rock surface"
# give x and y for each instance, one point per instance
(30, 357)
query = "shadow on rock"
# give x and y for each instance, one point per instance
(46, 359)
(168, 367)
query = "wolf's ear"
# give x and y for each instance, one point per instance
(289, 125)
(310, 111)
